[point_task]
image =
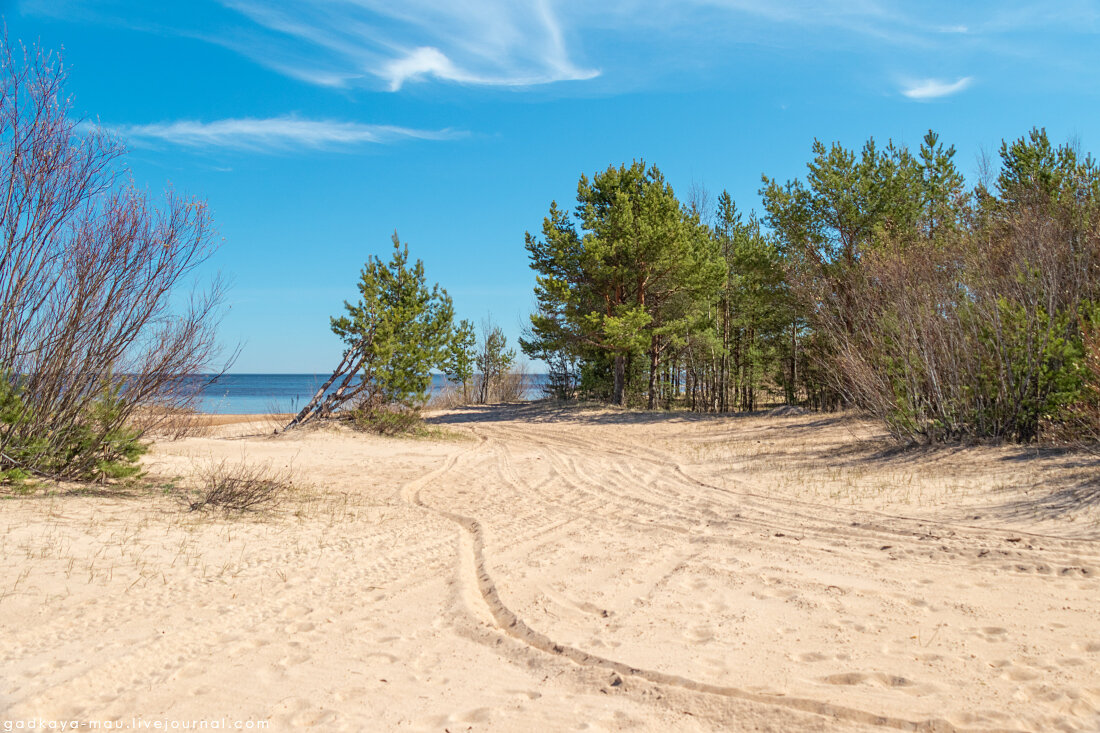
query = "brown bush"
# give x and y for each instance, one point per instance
(239, 487)
(170, 423)
(969, 335)
(509, 386)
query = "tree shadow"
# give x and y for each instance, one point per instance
(52, 493)
(1064, 502)
(802, 442)
(593, 413)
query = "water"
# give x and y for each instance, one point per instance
(255, 394)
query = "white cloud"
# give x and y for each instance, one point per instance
(343, 42)
(429, 61)
(418, 63)
(272, 134)
(934, 88)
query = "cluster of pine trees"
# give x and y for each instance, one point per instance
(641, 302)
(880, 282)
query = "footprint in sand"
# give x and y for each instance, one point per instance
(848, 678)
(1019, 674)
(700, 634)
(855, 678)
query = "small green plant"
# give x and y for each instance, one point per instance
(15, 452)
(388, 420)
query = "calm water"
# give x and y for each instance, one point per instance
(253, 394)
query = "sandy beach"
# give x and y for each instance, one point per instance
(540, 568)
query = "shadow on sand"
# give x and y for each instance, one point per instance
(552, 411)
(797, 441)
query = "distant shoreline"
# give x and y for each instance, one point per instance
(265, 394)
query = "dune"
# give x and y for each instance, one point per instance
(542, 568)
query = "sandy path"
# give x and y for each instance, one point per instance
(561, 570)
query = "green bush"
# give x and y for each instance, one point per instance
(1028, 372)
(95, 446)
(388, 420)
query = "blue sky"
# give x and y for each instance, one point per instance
(316, 129)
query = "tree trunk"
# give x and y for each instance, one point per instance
(794, 363)
(751, 376)
(620, 373)
(725, 377)
(340, 370)
(654, 352)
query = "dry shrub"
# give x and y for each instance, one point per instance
(513, 385)
(240, 486)
(93, 327)
(509, 386)
(969, 335)
(449, 397)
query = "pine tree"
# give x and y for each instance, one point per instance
(399, 326)
(615, 280)
(461, 353)
(493, 361)
(394, 335)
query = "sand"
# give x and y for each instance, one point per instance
(540, 568)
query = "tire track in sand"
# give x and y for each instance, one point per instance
(513, 626)
(978, 543)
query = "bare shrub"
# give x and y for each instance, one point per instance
(450, 396)
(969, 335)
(239, 486)
(513, 384)
(92, 328)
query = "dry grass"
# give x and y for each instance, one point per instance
(170, 423)
(450, 397)
(239, 486)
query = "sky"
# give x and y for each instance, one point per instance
(315, 130)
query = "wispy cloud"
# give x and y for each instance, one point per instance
(933, 88)
(402, 44)
(824, 21)
(344, 42)
(286, 133)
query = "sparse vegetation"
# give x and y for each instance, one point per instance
(239, 486)
(482, 370)
(388, 420)
(171, 423)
